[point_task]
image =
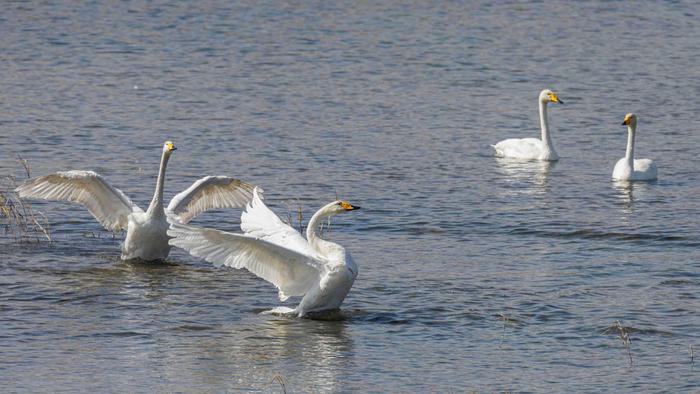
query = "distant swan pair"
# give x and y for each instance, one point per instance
(626, 169)
(320, 271)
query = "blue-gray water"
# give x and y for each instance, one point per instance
(475, 273)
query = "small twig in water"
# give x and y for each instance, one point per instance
(624, 336)
(25, 164)
(692, 356)
(280, 379)
(20, 219)
(300, 216)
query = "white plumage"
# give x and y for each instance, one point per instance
(628, 168)
(208, 193)
(320, 271)
(533, 148)
(107, 204)
(146, 236)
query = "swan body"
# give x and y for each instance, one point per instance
(321, 271)
(146, 236)
(533, 148)
(628, 168)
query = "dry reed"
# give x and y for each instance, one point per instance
(20, 221)
(624, 334)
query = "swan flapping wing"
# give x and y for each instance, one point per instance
(260, 222)
(208, 193)
(106, 203)
(291, 272)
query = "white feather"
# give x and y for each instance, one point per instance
(260, 222)
(106, 203)
(210, 192)
(520, 148)
(291, 272)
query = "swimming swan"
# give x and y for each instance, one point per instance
(146, 232)
(533, 148)
(628, 168)
(320, 271)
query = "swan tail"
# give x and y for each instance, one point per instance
(499, 152)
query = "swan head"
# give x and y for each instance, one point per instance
(168, 147)
(548, 96)
(630, 120)
(339, 206)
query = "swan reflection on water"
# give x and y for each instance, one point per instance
(317, 352)
(628, 191)
(530, 177)
(625, 194)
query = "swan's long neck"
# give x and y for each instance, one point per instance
(544, 125)
(156, 206)
(629, 156)
(314, 223)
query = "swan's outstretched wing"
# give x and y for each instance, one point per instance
(210, 192)
(291, 272)
(260, 222)
(106, 203)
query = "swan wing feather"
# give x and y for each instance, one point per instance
(260, 222)
(522, 148)
(645, 169)
(291, 272)
(645, 165)
(210, 192)
(109, 205)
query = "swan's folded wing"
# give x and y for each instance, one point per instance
(291, 272)
(525, 148)
(106, 203)
(210, 192)
(645, 165)
(260, 222)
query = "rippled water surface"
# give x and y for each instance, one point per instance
(475, 273)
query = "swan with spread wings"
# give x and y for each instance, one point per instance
(321, 271)
(146, 232)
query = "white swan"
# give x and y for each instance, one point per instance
(146, 236)
(628, 168)
(321, 271)
(533, 148)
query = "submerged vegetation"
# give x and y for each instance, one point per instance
(18, 220)
(624, 334)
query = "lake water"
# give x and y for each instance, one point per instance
(476, 273)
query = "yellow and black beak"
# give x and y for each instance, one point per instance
(346, 206)
(171, 146)
(555, 99)
(626, 122)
